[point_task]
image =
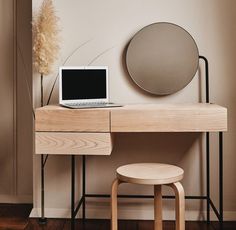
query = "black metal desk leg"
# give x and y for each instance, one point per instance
(208, 176)
(221, 176)
(72, 192)
(84, 187)
(42, 219)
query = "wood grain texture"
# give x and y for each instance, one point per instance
(73, 143)
(56, 118)
(149, 173)
(179, 205)
(14, 212)
(157, 207)
(198, 117)
(114, 204)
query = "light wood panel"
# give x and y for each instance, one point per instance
(73, 143)
(114, 211)
(199, 117)
(149, 173)
(179, 205)
(137, 174)
(157, 207)
(57, 118)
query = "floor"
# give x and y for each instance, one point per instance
(16, 217)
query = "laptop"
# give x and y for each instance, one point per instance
(84, 87)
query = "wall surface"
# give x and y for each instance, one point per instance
(7, 77)
(15, 100)
(102, 30)
(24, 99)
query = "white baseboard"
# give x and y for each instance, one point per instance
(11, 199)
(129, 213)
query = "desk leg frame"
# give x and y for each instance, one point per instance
(74, 210)
(208, 176)
(221, 186)
(84, 187)
(219, 213)
(82, 201)
(72, 192)
(42, 219)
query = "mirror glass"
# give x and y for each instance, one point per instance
(162, 58)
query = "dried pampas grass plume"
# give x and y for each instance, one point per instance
(45, 38)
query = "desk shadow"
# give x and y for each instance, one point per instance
(181, 149)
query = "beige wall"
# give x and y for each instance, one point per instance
(7, 136)
(16, 109)
(108, 26)
(24, 99)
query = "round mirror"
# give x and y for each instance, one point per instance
(162, 58)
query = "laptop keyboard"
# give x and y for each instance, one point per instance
(76, 105)
(86, 104)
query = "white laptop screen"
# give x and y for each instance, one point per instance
(84, 84)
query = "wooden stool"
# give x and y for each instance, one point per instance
(152, 174)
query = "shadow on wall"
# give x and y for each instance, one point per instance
(171, 148)
(167, 148)
(224, 90)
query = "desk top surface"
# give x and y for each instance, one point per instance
(167, 106)
(192, 117)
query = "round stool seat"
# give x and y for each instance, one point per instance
(150, 173)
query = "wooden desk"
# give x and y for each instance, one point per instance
(89, 132)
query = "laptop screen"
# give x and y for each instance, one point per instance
(82, 84)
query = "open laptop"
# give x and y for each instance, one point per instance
(84, 87)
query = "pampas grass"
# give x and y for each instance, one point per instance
(45, 38)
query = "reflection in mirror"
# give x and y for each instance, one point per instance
(162, 58)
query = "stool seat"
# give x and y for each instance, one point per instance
(150, 173)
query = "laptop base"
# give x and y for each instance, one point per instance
(92, 105)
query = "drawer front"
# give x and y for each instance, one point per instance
(69, 120)
(177, 119)
(73, 143)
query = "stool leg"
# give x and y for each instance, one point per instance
(179, 205)
(114, 221)
(157, 207)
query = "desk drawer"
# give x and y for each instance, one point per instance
(73, 143)
(59, 119)
(197, 117)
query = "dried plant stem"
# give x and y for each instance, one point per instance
(27, 73)
(66, 60)
(45, 40)
(100, 54)
(41, 90)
